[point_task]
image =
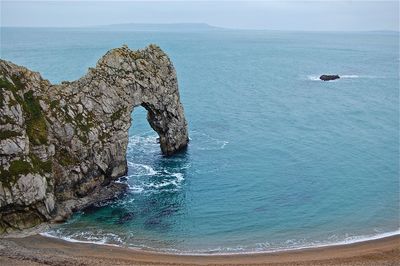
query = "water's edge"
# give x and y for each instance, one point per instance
(353, 240)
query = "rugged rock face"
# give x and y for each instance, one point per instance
(329, 77)
(61, 146)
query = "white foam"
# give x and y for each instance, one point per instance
(135, 188)
(224, 143)
(136, 140)
(143, 143)
(98, 241)
(179, 177)
(160, 185)
(349, 76)
(153, 185)
(266, 247)
(168, 182)
(356, 239)
(207, 143)
(313, 77)
(346, 241)
(142, 169)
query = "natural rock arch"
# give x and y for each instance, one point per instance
(63, 145)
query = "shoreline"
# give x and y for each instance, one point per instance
(355, 240)
(39, 250)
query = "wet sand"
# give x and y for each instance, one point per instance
(40, 250)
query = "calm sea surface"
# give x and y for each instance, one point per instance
(277, 159)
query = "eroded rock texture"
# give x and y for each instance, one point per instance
(61, 146)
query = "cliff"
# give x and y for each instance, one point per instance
(62, 146)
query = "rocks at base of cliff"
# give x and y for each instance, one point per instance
(329, 77)
(97, 198)
(62, 146)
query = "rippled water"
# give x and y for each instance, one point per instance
(277, 158)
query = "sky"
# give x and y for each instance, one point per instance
(320, 15)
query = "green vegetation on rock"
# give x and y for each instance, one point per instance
(20, 167)
(84, 124)
(39, 166)
(24, 167)
(5, 134)
(36, 127)
(116, 115)
(6, 84)
(65, 158)
(54, 104)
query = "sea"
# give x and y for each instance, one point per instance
(277, 159)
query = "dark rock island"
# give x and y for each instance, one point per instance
(63, 146)
(329, 77)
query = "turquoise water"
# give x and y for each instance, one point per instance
(277, 159)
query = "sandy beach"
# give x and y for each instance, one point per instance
(40, 250)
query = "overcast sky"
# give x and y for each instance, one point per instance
(274, 15)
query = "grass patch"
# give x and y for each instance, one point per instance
(39, 166)
(6, 84)
(54, 104)
(5, 134)
(19, 167)
(24, 167)
(36, 127)
(65, 158)
(82, 123)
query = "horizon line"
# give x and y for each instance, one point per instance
(99, 26)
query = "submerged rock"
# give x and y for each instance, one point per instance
(126, 217)
(329, 77)
(62, 146)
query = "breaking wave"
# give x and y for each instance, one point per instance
(101, 238)
(138, 169)
(145, 179)
(152, 176)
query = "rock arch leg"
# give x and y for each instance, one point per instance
(170, 127)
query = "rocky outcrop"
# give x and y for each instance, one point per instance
(329, 77)
(62, 146)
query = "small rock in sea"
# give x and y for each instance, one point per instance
(329, 77)
(126, 217)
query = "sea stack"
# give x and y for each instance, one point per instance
(329, 77)
(63, 146)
